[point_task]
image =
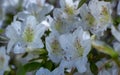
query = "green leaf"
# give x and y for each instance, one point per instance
(95, 56)
(81, 3)
(32, 66)
(28, 68)
(48, 65)
(94, 68)
(40, 51)
(118, 19)
(21, 71)
(103, 47)
(8, 20)
(1, 31)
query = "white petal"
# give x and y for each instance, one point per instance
(81, 64)
(17, 27)
(43, 71)
(11, 33)
(53, 47)
(104, 72)
(31, 22)
(86, 36)
(115, 33)
(58, 14)
(10, 46)
(69, 3)
(37, 43)
(62, 3)
(58, 71)
(39, 30)
(116, 46)
(18, 48)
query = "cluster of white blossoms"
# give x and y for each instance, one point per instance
(67, 33)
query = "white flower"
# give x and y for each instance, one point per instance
(69, 7)
(55, 52)
(4, 60)
(96, 16)
(86, 16)
(26, 35)
(38, 8)
(63, 24)
(101, 10)
(76, 48)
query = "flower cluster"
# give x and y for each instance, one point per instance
(60, 37)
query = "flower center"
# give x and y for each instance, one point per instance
(55, 47)
(59, 25)
(28, 34)
(105, 14)
(69, 10)
(79, 48)
(90, 19)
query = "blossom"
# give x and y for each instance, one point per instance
(96, 16)
(41, 32)
(70, 7)
(87, 17)
(26, 35)
(101, 10)
(55, 52)
(37, 8)
(63, 24)
(76, 47)
(4, 60)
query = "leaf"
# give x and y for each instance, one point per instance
(21, 71)
(95, 56)
(1, 31)
(48, 65)
(81, 3)
(94, 68)
(8, 20)
(28, 67)
(104, 48)
(32, 66)
(40, 51)
(118, 19)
